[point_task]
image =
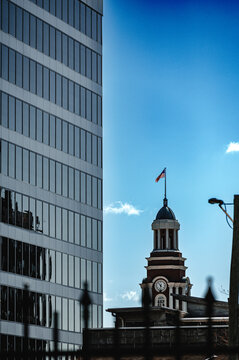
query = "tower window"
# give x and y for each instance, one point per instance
(163, 238)
(171, 238)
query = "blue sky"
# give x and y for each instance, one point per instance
(170, 86)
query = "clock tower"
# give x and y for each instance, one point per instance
(166, 272)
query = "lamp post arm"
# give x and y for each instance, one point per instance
(220, 205)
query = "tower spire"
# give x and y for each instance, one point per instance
(165, 200)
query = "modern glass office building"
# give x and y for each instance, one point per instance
(51, 167)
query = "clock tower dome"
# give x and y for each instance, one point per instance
(166, 272)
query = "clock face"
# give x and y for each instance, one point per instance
(160, 285)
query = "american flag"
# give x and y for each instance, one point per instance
(162, 175)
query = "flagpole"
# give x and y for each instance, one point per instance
(165, 186)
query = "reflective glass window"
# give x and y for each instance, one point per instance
(52, 131)
(71, 96)
(82, 17)
(58, 133)
(94, 149)
(18, 116)
(25, 206)
(19, 211)
(52, 42)
(77, 272)
(59, 9)
(19, 23)
(65, 93)
(58, 90)
(94, 192)
(77, 99)
(99, 194)
(46, 128)
(26, 28)
(88, 105)
(64, 10)
(39, 80)
(12, 66)
(88, 274)
(58, 267)
(39, 125)
(4, 106)
(19, 69)
(99, 30)
(83, 231)
(82, 60)
(46, 38)
(58, 45)
(32, 168)
(52, 86)
(88, 63)
(52, 176)
(26, 165)
(19, 163)
(94, 234)
(33, 76)
(71, 12)
(4, 62)
(82, 144)
(64, 307)
(99, 152)
(11, 161)
(77, 185)
(71, 183)
(77, 141)
(88, 232)
(94, 108)
(71, 226)
(4, 157)
(45, 173)
(46, 5)
(53, 7)
(58, 309)
(11, 113)
(58, 177)
(25, 259)
(100, 278)
(45, 218)
(83, 188)
(32, 214)
(25, 119)
(64, 225)
(99, 111)
(52, 221)
(94, 25)
(39, 218)
(77, 55)
(71, 315)
(83, 272)
(52, 262)
(58, 222)
(71, 139)
(71, 52)
(88, 21)
(77, 229)
(64, 180)
(33, 31)
(99, 236)
(83, 102)
(39, 34)
(65, 136)
(46, 83)
(94, 287)
(32, 122)
(12, 205)
(25, 73)
(99, 69)
(19, 257)
(64, 49)
(39, 171)
(89, 147)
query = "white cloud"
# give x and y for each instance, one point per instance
(130, 295)
(121, 208)
(233, 146)
(106, 298)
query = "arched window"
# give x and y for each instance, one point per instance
(163, 238)
(160, 300)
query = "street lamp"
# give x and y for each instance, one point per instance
(234, 273)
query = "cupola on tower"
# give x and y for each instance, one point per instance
(166, 272)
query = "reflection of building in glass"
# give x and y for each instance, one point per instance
(51, 167)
